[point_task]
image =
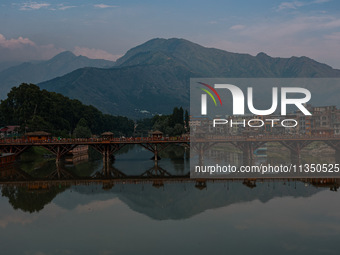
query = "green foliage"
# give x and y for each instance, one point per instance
(36, 109)
(186, 119)
(177, 116)
(38, 123)
(30, 201)
(171, 125)
(82, 130)
(143, 127)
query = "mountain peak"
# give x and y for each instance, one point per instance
(262, 55)
(166, 47)
(63, 55)
(155, 76)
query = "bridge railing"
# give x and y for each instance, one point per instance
(92, 140)
(173, 139)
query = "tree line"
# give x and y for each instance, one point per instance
(34, 109)
(173, 124)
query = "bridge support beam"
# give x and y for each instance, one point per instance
(295, 148)
(201, 148)
(155, 148)
(61, 173)
(248, 149)
(109, 172)
(336, 146)
(107, 150)
(59, 150)
(16, 149)
(156, 172)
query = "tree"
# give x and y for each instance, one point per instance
(178, 129)
(82, 130)
(38, 123)
(29, 106)
(186, 119)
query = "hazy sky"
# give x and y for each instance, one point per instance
(108, 28)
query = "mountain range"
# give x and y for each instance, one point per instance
(183, 201)
(39, 71)
(154, 77)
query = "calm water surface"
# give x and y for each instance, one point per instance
(176, 218)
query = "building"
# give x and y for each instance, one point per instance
(157, 134)
(38, 136)
(9, 131)
(107, 135)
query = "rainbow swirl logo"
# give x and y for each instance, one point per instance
(209, 93)
(204, 97)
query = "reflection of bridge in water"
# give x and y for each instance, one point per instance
(109, 176)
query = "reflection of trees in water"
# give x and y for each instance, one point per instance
(95, 155)
(31, 198)
(125, 149)
(84, 169)
(315, 152)
(180, 197)
(178, 155)
(39, 172)
(233, 157)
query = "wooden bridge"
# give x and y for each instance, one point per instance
(248, 144)
(107, 147)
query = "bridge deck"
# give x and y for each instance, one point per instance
(141, 140)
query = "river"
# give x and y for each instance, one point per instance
(173, 216)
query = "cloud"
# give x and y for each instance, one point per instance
(333, 36)
(237, 27)
(315, 36)
(63, 7)
(292, 28)
(94, 53)
(29, 6)
(296, 4)
(5, 220)
(290, 5)
(14, 43)
(104, 6)
(24, 49)
(96, 205)
(212, 22)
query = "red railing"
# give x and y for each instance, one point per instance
(134, 140)
(94, 140)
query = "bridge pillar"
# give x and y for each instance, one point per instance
(201, 148)
(58, 156)
(59, 150)
(156, 172)
(156, 153)
(61, 173)
(155, 148)
(295, 148)
(17, 149)
(107, 150)
(248, 154)
(337, 155)
(336, 146)
(248, 149)
(106, 154)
